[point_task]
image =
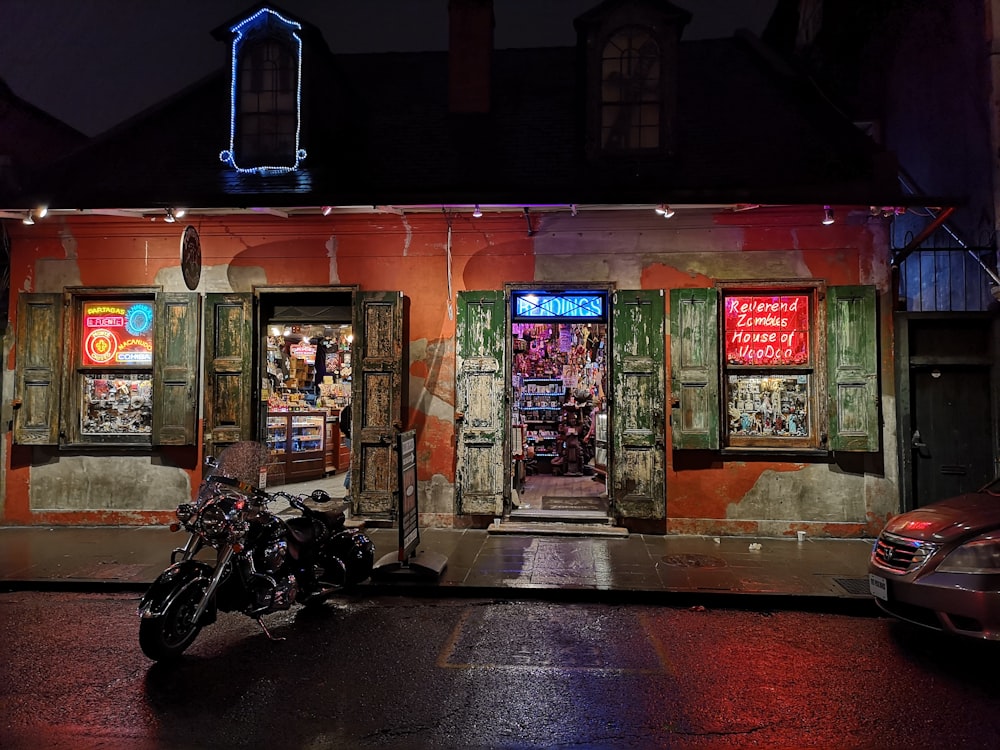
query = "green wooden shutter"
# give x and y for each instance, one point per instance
(479, 385)
(638, 479)
(376, 400)
(228, 370)
(694, 368)
(852, 362)
(39, 369)
(175, 383)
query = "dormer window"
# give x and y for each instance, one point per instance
(631, 51)
(265, 106)
(631, 94)
(267, 111)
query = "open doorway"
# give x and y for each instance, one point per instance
(559, 419)
(306, 375)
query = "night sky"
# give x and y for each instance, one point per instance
(93, 63)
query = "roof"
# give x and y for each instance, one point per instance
(378, 131)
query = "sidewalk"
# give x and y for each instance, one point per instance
(782, 572)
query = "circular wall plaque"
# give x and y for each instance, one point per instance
(191, 257)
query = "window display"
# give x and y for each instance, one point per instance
(117, 404)
(769, 369)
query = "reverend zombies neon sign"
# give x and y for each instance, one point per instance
(117, 334)
(767, 330)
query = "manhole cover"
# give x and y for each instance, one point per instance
(854, 585)
(692, 560)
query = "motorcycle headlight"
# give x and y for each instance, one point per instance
(979, 556)
(222, 520)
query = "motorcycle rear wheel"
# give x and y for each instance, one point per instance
(166, 636)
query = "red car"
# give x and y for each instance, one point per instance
(939, 566)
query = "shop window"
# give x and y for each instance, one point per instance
(769, 376)
(787, 367)
(114, 368)
(107, 367)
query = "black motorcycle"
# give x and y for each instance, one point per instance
(262, 562)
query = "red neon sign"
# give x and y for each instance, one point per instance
(117, 334)
(767, 330)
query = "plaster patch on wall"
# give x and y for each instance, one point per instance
(436, 495)
(624, 270)
(409, 235)
(432, 394)
(107, 483)
(172, 280)
(331, 253)
(52, 274)
(814, 493)
(749, 265)
(68, 241)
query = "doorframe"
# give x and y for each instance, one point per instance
(508, 365)
(904, 362)
(266, 295)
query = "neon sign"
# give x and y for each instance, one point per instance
(767, 330)
(535, 305)
(261, 20)
(117, 334)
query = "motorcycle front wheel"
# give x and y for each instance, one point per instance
(166, 636)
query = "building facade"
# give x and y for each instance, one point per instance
(595, 270)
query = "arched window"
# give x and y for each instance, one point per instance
(267, 108)
(631, 91)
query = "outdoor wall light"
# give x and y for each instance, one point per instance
(665, 211)
(28, 219)
(41, 212)
(169, 218)
(477, 213)
(326, 210)
(828, 216)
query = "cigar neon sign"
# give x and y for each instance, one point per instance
(117, 334)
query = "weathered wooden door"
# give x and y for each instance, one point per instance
(376, 400)
(228, 370)
(479, 402)
(638, 343)
(39, 369)
(175, 384)
(694, 368)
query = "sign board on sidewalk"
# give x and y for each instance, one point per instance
(409, 527)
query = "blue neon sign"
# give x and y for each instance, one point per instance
(539, 305)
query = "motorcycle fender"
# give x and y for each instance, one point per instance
(172, 582)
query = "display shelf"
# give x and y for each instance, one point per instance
(296, 441)
(540, 403)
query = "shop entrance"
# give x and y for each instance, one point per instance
(559, 405)
(306, 374)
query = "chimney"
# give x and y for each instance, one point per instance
(470, 55)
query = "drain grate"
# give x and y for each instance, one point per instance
(853, 585)
(692, 560)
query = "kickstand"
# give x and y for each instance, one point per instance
(260, 621)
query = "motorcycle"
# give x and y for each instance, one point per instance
(263, 562)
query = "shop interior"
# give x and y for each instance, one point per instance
(559, 416)
(306, 383)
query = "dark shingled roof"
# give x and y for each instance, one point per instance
(379, 131)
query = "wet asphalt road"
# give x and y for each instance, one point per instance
(417, 673)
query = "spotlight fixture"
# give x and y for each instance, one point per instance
(828, 216)
(41, 211)
(27, 219)
(179, 212)
(326, 210)
(665, 211)
(572, 209)
(477, 212)
(170, 218)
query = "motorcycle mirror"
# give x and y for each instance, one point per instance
(320, 496)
